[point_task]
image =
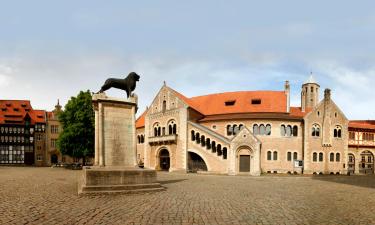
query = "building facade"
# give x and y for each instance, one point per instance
(252, 132)
(28, 136)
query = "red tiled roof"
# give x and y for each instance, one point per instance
(297, 112)
(215, 104)
(140, 122)
(363, 124)
(14, 111)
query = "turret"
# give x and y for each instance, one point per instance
(309, 94)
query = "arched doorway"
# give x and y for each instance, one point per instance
(196, 163)
(164, 160)
(244, 160)
(366, 165)
(54, 159)
(351, 163)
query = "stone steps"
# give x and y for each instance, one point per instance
(121, 189)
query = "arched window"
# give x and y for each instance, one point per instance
(289, 156)
(315, 130)
(337, 132)
(203, 141)
(198, 138)
(213, 146)
(321, 157)
(163, 133)
(218, 149)
(282, 130)
(235, 129)
(255, 129)
(289, 131)
(240, 126)
(269, 155)
(229, 130)
(275, 155)
(315, 157)
(193, 135)
(142, 139)
(295, 131)
(268, 129)
(164, 106)
(159, 131)
(139, 139)
(295, 156)
(262, 129)
(337, 157)
(208, 143)
(174, 128)
(225, 152)
(332, 157)
(170, 129)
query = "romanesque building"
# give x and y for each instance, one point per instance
(28, 136)
(253, 132)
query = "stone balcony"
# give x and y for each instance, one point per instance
(358, 143)
(166, 139)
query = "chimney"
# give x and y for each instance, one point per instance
(327, 94)
(287, 93)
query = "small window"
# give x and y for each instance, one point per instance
(256, 101)
(17, 109)
(331, 157)
(214, 127)
(338, 157)
(275, 155)
(295, 156)
(320, 157)
(289, 157)
(269, 155)
(230, 103)
(315, 157)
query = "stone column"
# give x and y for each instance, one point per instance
(101, 135)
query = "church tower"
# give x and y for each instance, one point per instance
(309, 94)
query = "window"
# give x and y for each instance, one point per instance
(255, 129)
(229, 130)
(295, 131)
(208, 143)
(225, 153)
(274, 155)
(53, 143)
(337, 157)
(315, 157)
(192, 135)
(142, 139)
(203, 141)
(352, 135)
(315, 130)
(213, 146)
(256, 101)
(282, 130)
(269, 155)
(164, 106)
(39, 157)
(295, 156)
(262, 129)
(331, 157)
(288, 130)
(289, 156)
(320, 157)
(230, 103)
(337, 132)
(197, 138)
(172, 127)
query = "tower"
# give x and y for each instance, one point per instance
(309, 93)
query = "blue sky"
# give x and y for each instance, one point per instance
(51, 49)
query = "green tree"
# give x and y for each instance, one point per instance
(78, 136)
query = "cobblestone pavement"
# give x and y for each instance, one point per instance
(49, 196)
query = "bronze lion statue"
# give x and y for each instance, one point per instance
(128, 84)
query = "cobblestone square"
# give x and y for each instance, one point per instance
(49, 196)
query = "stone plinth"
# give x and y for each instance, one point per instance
(115, 169)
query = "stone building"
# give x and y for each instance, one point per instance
(251, 132)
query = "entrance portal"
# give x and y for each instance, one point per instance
(164, 160)
(196, 163)
(54, 159)
(244, 163)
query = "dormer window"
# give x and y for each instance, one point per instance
(23, 105)
(16, 109)
(230, 103)
(256, 101)
(8, 105)
(4, 109)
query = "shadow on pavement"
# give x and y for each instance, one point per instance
(360, 181)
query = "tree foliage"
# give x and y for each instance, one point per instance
(78, 136)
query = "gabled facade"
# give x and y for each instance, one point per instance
(247, 132)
